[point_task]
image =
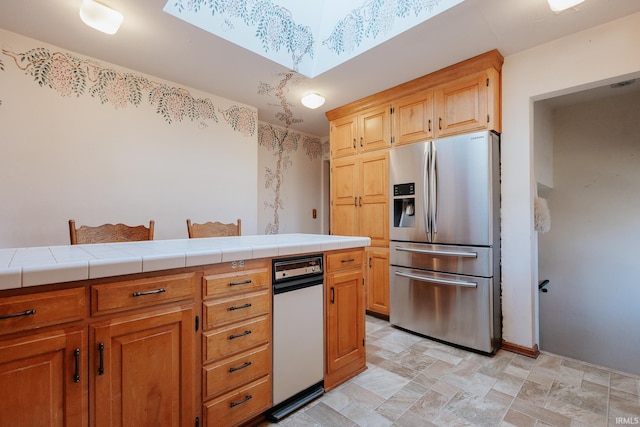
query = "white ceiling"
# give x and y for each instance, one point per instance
(156, 43)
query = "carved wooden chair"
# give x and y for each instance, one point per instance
(213, 229)
(108, 233)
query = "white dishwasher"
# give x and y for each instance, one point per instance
(298, 333)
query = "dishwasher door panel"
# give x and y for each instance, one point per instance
(452, 308)
(298, 341)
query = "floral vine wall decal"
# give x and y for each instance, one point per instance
(370, 20)
(283, 142)
(1, 69)
(241, 119)
(274, 25)
(70, 75)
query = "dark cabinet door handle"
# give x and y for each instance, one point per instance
(244, 365)
(21, 314)
(440, 123)
(240, 402)
(244, 282)
(76, 374)
(429, 125)
(238, 307)
(101, 353)
(245, 333)
(333, 295)
(155, 291)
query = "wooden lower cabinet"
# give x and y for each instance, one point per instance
(377, 281)
(142, 369)
(43, 379)
(132, 352)
(344, 318)
(236, 343)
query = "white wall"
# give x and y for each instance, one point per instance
(65, 157)
(580, 61)
(290, 170)
(590, 254)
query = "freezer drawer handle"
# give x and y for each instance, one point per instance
(436, 252)
(439, 281)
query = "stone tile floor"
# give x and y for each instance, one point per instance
(413, 381)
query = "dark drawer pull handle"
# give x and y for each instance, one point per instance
(240, 402)
(155, 291)
(244, 282)
(76, 356)
(244, 365)
(238, 307)
(101, 350)
(21, 314)
(233, 337)
(348, 260)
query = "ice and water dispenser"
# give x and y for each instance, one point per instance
(404, 205)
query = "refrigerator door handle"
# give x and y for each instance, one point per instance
(433, 178)
(426, 200)
(438, 281)
(437, 252)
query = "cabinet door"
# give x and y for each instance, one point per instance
(344, 319)
(342, 136)
(373, 201)
(344, 197)
(143, 369)
(374, 129)
(461, 105)
(43, 380)
(378, 280)
(413, 118)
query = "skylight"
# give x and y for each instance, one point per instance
(307, 36)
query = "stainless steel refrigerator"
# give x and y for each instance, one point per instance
(445, 239)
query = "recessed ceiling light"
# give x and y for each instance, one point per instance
(100, 17)
(312, 100)
(560, 5)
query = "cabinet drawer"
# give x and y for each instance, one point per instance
(130, 294)
(240, 281)
(25, 312)
(240, 405)
(220, 311)
(343, 260)
(235, 338)
(229, 373)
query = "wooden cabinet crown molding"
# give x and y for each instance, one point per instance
(490, 59)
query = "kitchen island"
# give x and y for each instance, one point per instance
(173, 332)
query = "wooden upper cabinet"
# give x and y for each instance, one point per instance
(468, 103)
(374, 129)
(359, 133)
(343, 136)
(413, 118)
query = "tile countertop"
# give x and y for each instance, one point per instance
(21, 267)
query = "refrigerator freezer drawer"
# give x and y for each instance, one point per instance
(452, 308)
(467, 260)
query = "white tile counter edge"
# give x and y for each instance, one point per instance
(22, 267)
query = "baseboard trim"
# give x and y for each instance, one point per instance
(520, 349)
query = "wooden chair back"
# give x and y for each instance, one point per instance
(108, 233)
(213, 229)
